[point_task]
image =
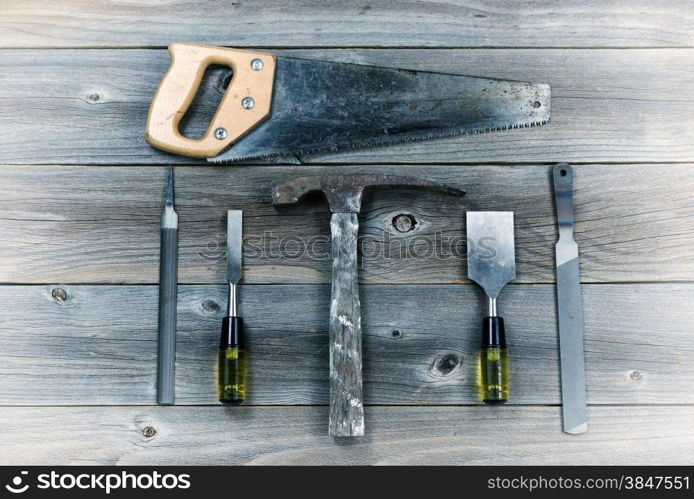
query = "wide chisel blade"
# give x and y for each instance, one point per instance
(492, 261)
(323, 106)
(569, 309)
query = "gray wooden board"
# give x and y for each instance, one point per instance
(98, 346)
(84, 224)
(95, 222)
(571, 23)
(90, 106)
(298, 435)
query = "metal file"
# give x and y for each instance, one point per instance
(569, 310)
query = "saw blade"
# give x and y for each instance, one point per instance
(327, 106)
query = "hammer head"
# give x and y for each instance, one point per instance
(344, 192)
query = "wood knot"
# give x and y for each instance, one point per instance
(404, 222)
(149, 432)
(396, 333)
(59, 295)
(210, 306)
(93, 97)
(446, 364)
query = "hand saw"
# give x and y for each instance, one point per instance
(276, 105)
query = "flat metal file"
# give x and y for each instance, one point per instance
(569, 309)
(168, 298)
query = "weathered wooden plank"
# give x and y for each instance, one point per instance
(297, 436)
(90, 106)
(101, 225)
(614, 23)
(97, 344)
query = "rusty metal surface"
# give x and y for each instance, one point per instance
(323, 106)
(344, 192)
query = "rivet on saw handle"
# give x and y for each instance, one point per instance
(252, 82)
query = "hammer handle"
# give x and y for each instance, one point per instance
(346, 405)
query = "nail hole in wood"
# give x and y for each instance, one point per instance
(149, 432)
(396, 333)
(563, 172)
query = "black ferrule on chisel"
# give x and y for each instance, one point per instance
(493, 334)
(232, 333)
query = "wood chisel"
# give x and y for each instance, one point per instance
(276, 105)
(168, 284)
(233, 359)
(573, 376)
(491, 263)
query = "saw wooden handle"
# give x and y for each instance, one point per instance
(244, 106)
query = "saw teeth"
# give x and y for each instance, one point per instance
(370, 145)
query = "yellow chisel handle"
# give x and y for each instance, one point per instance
(493, 372)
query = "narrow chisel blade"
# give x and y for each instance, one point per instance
(234, 245)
